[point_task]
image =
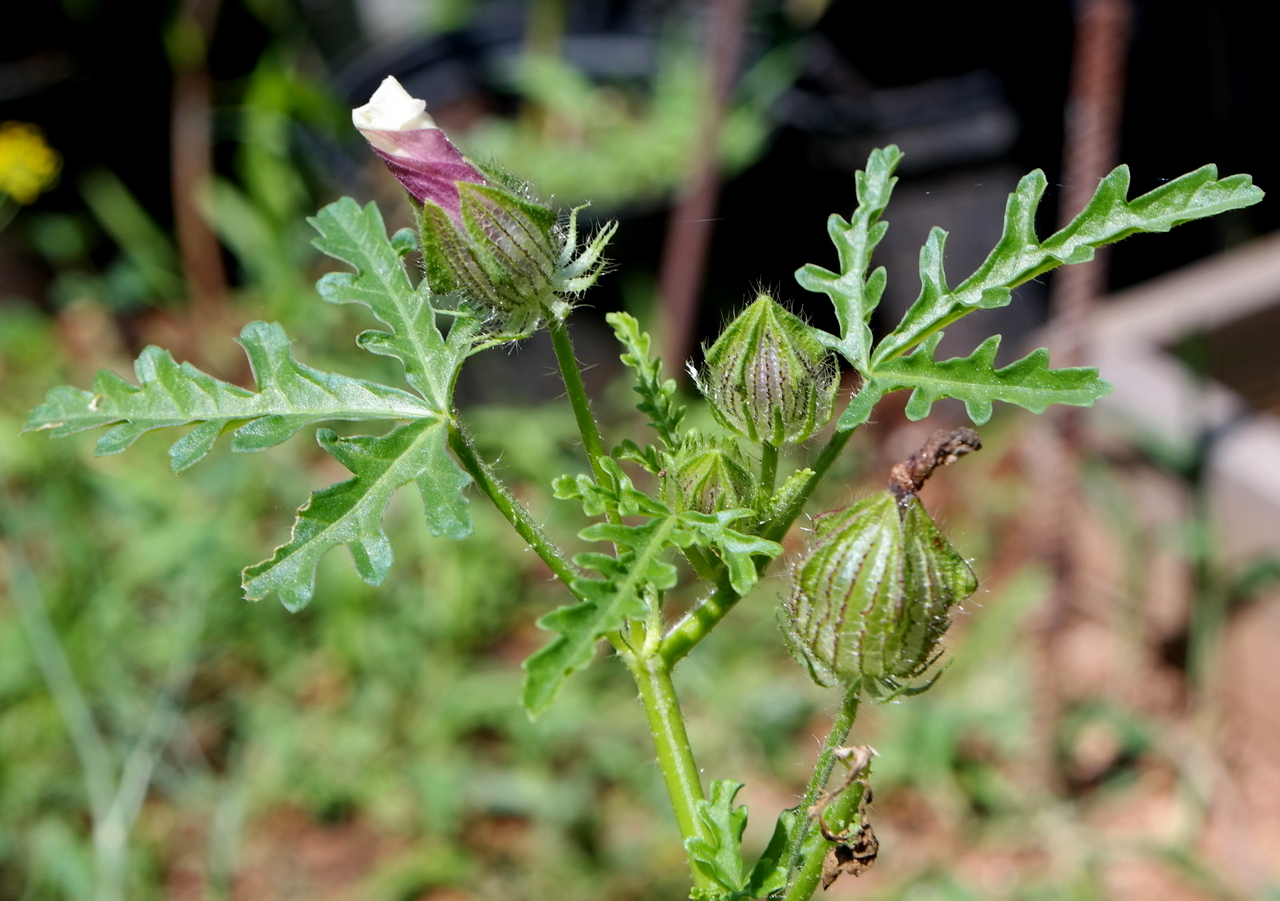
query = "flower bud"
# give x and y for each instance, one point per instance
(872, 595)
(416, 151)
(707, 478)
(482, 235)
(768, 378)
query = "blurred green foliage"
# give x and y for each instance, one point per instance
(395, 711)
(626, 145)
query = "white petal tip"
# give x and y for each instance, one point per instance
(392, 109)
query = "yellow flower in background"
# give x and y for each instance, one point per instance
(28, 165)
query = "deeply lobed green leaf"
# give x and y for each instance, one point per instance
(854, 294)
(168, 394)
(358, 237)
(604, 606)
(657, 394)
(291, 395)
(974, 379)
(717, 851)
(1020, 256)
(635, 579)
(351, 512)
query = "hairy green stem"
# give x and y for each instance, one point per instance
(577, 393)
(699, 621)
(777, 529)
(510, 508)
(805, 882)
(705, 565)
(768, 470)
(671, 743)
(841, 810)
(826, 762)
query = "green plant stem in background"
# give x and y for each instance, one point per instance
(839, 733)
(806, 880)
(810, 872)
(88, 744)
(671, 744)
(511, 509)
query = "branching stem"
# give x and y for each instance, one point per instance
(671, 744)
(703, 618)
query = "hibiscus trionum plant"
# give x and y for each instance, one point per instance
(872, 591)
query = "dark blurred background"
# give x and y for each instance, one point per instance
(975, 94)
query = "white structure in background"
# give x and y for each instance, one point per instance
(1158, 395)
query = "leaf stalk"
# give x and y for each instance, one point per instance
(510, 508)
(805, 882)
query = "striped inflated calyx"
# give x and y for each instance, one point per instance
(708, 478)
(768, 378)
(502, 255)
(872, 594)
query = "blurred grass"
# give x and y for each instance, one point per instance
(392, 709)
(393, 712)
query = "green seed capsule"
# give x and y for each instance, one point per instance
(768, 378)
(871, 596)
(707, 478)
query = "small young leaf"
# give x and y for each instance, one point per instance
(596, 499)
(717, 851)
(648, 458)
(736, 549)
(604, 603)
(657, 395)
(770, 872)
(351, 512)
(290, 395)
(1028, 382)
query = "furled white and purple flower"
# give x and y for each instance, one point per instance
(483, 236)
(400, 131)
